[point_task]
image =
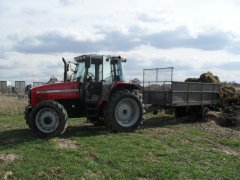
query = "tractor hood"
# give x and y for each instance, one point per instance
(57, 86)
(56, 91)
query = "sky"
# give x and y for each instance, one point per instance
(192, 36)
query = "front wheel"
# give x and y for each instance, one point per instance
(124, 112)
(27, 111)
(48, 118)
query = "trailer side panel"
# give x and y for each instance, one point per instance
(159, 90)
(194, 94)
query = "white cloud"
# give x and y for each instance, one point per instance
(137, 29)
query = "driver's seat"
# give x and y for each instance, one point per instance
(93, 93)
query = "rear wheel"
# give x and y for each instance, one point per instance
(48, 118)
(124, 112)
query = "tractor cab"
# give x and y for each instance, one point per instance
(97, 74)
(98, 68)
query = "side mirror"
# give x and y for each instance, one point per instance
(87, 63)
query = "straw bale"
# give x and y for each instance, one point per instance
(192, 80)
(209, 78)
(228, 91)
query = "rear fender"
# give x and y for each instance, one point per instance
(120, 87)
(127, 86)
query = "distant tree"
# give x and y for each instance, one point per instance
(233, 83)
(52, 80)
(136, 81)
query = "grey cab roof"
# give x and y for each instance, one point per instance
(93, 56)
(96, 56)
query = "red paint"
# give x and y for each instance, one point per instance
(37, 97)
(118, 83)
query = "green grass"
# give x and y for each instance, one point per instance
(162, 148)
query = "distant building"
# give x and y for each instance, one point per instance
(3, 87)
(35, 84)
(19, 86)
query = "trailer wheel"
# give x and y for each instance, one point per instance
(180, 112)
(124, 112)
(203, 112)
(49, 118)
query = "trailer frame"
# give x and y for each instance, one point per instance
(160, 91)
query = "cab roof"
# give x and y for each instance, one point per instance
(98, 57)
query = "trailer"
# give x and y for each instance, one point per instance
(161, 92)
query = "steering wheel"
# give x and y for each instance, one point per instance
(90, 77)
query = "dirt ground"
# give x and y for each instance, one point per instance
(7, 158)
(65, 143)
(210, 124)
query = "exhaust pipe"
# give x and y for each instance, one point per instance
(65, 70)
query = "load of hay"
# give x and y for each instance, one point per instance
(192, 80)
(229, 99)
(228, 93)
(207, 77)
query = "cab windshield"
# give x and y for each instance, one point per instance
(117, 71)
(79, 71)
(100, 70)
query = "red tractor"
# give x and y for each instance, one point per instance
(96, 89)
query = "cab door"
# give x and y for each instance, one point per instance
(107, 78)
(94, 82)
